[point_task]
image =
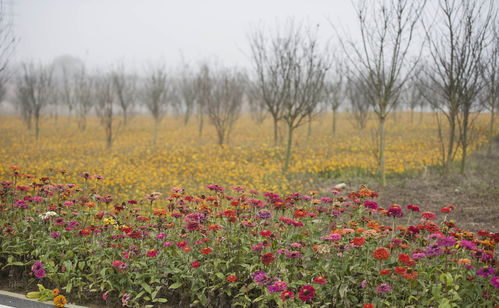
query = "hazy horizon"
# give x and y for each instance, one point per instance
(104, 32)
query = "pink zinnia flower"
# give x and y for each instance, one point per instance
(152, 253)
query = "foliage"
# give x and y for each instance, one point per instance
(239, 247)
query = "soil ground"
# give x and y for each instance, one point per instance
(475, 193)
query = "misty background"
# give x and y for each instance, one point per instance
(102, 32)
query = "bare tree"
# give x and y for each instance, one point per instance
(84, 97)
(35, 91)
(256, 105)
(290, 71)
(271, 71)
(125, 87)
(203, 88)
(224, 99)
(490, 97)
(67, 90)
(456, 49)
(334, 92)
(104, 96)
(411, 95)
(188, 92)
(7, 45)
(381, 59)
(156, 93)
(304, 71)
(359, 105)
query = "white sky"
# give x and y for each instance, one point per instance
(140, 32)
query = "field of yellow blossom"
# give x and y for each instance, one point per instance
(133, 167)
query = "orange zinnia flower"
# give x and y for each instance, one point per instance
(60, 301)
(410, 274)
(381, 253)
(400, 270)
(206, 250)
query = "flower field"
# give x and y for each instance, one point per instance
(181, 158)
(230, 246)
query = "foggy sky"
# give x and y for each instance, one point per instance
(140, 32)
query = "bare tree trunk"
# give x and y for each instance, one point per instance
(382, 150)
(155, 131)
(334, 122)
(109, 131)
(221, 138)
(288, 148)
(125, 116)
(201, 123)
(421, 115)
(491, 129)
(412, 115)
(464, 140)
(450, 149)
(37, 126)
(309, 130)
(276, 131)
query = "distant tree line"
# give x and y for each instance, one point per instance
(438, 55)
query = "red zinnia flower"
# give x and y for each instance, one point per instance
(359, 241)
(152, 253)
(320, 280)
(267, 258)
(429, 215)
(181, 244)
(381, 253)
(306, 293)
(231, 278)
(368, 306)
(195, 264)
(385, 272)
(287, 295)
(266, 233)
(403, 258)
(206, 250)
(413, 208)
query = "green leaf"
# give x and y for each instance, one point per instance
(202, 298)
(176, 285)
(33, 295)
(161, 300)
(343, 290)
(139, 295)
(220, 275)
(146, 287)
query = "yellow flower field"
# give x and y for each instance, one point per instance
(181, 158)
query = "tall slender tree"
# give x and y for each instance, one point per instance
(381, 59)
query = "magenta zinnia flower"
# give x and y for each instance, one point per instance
(278, 286)
(446, 241)
(306, 293)
(37, 266)
(485, 271)
(40, 274)
(383, 288)
(495, 282)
